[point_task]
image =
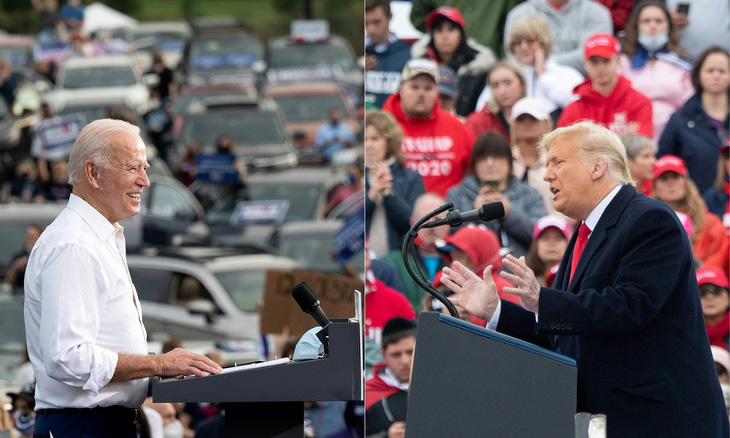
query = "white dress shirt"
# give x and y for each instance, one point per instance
(591, 222)
(81, 309)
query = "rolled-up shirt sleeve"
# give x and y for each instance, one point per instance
(75, 292)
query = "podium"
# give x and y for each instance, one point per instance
(268, 401)
(470, 381)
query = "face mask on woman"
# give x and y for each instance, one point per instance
(653, 43)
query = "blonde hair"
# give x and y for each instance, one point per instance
(495, 106)
(95, 143)
(692, 203)
(595, 141)
(528, 25)
(387, 127)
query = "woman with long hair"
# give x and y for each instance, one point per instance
(673, 186)
(549, 241)
(696, 131)
(530, 43)
(507, 84)
(447, 45)
(654, 61)
(390, 188)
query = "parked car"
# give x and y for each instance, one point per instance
(113, 76)
(205, 297)
(306, 106)
(12, 345)
(256, 126)
(310, 243)
(169, 37)
(219, 57)
(18, 49)
(329, 58)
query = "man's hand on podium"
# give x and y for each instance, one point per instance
(179, 363)
(477, 296)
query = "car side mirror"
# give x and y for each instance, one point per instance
(202, 307)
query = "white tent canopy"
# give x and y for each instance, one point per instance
(98, 16)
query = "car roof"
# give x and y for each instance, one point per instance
(302, 88)
(162, 26)
(98, 61)
(216, 260)
(311, 227)
(294, 175)
(287, 40)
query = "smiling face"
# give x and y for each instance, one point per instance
(570, 179)
(120, 184)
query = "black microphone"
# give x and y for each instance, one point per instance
(486, 213)
(309, 303)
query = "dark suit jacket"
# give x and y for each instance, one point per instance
(633, 322)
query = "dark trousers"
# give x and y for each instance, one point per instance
(85, 423)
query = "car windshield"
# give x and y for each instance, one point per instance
(313, 252)
(225, 53)
(110, 76)
(302, 201)
(302, 55)
(247, 128)
(309, 108)
(246, 288)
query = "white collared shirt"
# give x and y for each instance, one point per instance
(81, 309)
(591, 221)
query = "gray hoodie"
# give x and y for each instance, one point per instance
(526, 207)
(569, 27)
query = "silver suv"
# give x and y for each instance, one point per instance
(205, 296)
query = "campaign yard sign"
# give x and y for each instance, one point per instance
(59, 134)
(219, 168)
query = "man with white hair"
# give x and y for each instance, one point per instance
(625, 303)
(83, 320)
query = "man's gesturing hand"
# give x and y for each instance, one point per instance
(526, 285)
(475, 295)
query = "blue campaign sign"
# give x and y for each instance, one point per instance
(351, 237)
(216, 168)
(59, 134)
(250, 212)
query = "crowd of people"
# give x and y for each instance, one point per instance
(641, 69)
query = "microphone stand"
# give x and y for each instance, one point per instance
(408, 242)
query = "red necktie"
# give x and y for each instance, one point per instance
(580, 245)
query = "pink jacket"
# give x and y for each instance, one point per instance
(667, 84)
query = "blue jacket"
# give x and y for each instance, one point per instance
(716, 201)
(407, 186)
(527, 206)
(690, 136)
(632, 320)
(385, 78)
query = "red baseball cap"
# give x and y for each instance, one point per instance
(712, 275)
(604, 45)
(556, 222)
(449, 12)
(669, 163)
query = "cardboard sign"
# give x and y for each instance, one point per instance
(335, 293)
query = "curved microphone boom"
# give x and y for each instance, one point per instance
(485, 213)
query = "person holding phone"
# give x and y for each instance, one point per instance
(491, 180)
(701, 25)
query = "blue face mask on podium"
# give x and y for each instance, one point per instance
(653, 43)
(309, 346)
